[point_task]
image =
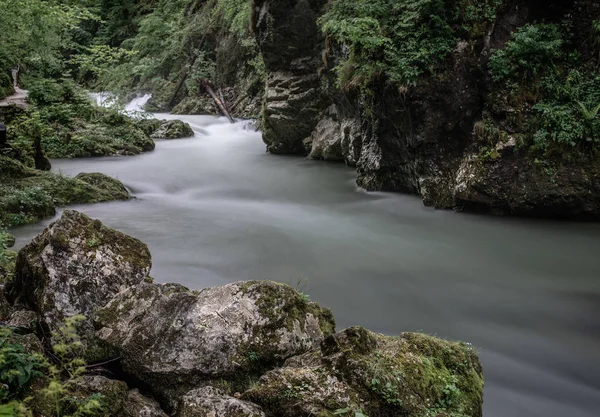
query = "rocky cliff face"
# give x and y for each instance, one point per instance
(425, 139)
(255, 349)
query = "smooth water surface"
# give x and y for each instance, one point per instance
(216, 209)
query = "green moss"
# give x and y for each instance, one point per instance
(28, 195)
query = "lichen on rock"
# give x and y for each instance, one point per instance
(209, 401)
(412, 375)
(170, 337)
(173, 129)
(74, 267)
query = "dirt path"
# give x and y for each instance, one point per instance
(19, 98)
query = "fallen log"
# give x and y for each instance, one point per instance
(218, 101)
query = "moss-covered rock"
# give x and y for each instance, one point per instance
(410, 375)
(121, 136)
(173, 129)
(110, 187)
(148, 126)
(28, 195)
(113, 393)
(138, 405)
(74, 267)
(209, 401)
(174, 339)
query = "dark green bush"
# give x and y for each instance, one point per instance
(532, 49)
(400, 40)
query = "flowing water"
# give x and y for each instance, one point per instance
(216, 209)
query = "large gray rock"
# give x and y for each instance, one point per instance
(171, 338)
(290, 40)
(137, 405)
(410, 375)
(74, 267)
(173, 129)
(211, 402)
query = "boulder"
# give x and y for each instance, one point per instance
(208, 401)
(410, 375)
(171, 338)
(137, 405)
(173, 129)
(113, 189)
(74, 267)
(114, 393)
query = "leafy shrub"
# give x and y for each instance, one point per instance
(54, 398)
(17, 367)
(401, 40)
(531, 50)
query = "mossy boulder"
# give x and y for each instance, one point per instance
(173, 339)
(110, 187)
(410, 375)
(173, 129)
(84, 139)
(148, 126)
(113, 393)
(74, 267)
(209, 401)
(138, 405)
(28, 195)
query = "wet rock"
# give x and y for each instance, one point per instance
(74, 267)
(326, 139)
(208, 401)
(148, 126)
(113, 189)
(173, 338)
(290, 43)
(510, 182)
(173, 129)
(137, 405)
(114, 393)
(410, 375)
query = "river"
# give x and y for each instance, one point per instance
(216, 209)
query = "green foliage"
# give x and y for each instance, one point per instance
(17, 367)
(556, 93)
(176, 41)
(532, 49)
(400, 40)
(35, 33)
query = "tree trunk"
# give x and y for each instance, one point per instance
(217, 100)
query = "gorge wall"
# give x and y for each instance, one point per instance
(460, 137)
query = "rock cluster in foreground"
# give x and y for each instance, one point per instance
(248, 349)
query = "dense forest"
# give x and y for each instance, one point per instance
(488, 106)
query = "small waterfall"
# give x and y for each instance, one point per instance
(137, 104)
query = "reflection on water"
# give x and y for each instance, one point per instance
(216, 209)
